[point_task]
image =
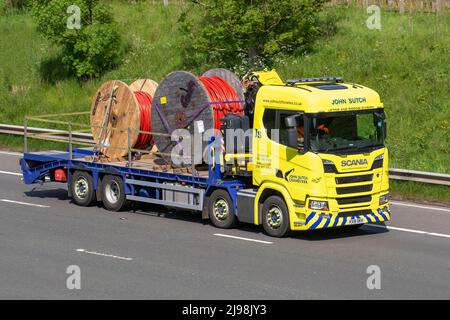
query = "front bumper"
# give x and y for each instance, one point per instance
(321, 220)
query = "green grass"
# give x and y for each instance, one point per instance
(16, 143)
(419, 192)
(33, 82)
(407, 62)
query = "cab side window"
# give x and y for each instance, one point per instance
(275, 120)
(269, 121)
(283, 130)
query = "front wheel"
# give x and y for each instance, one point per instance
(275, 217)
(221, 209)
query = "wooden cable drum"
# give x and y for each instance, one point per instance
(116, 105)
(146, 85)
(182, 99)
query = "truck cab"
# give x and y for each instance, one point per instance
(318, 153)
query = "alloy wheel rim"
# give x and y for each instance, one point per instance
(112, 192)
(221, 209)
(274, 217)
(81, 188)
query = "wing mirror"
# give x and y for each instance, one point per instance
(380, 119)
(291, 123)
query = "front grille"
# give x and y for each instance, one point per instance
(354, 179)
(354, 213)
(352, 200)
(355, 189)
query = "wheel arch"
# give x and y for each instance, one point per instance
(266, 190)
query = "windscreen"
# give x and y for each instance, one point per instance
(346, 132)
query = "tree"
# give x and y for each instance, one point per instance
(247, 33)
(85, 31)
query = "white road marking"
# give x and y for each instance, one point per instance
(9, 153)
(418, 206)
(25, 203)
(104, 254)
(241, 238)
(11, 173)
(412, 231)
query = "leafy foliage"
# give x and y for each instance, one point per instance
(89, 50)
(248, 33)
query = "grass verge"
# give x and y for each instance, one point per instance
(420, 192)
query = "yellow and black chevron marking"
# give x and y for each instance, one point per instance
(318, 221)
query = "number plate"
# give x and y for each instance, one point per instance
(355, 221)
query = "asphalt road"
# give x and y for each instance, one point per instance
(176, 255)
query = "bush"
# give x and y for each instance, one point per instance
(88, 49)
(240, 34)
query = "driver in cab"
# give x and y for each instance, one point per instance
(301, 133)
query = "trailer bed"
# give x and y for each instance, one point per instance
(146, 180)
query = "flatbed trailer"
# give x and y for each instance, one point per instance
(138, 182)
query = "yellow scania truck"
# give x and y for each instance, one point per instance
(317, 159)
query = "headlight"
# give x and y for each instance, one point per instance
(328, 166)
(378, 162)
(384, 199)
(318, 205)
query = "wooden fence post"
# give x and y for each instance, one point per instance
(438, 5)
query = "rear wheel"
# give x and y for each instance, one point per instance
(221, 209)
(82, 188)
(275, 217)
(113, 193)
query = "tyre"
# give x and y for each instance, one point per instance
(113, 193)
(275, 217)
(82, 188)
(221, 209)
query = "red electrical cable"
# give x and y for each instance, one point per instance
(145, 106)
(221, 91)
